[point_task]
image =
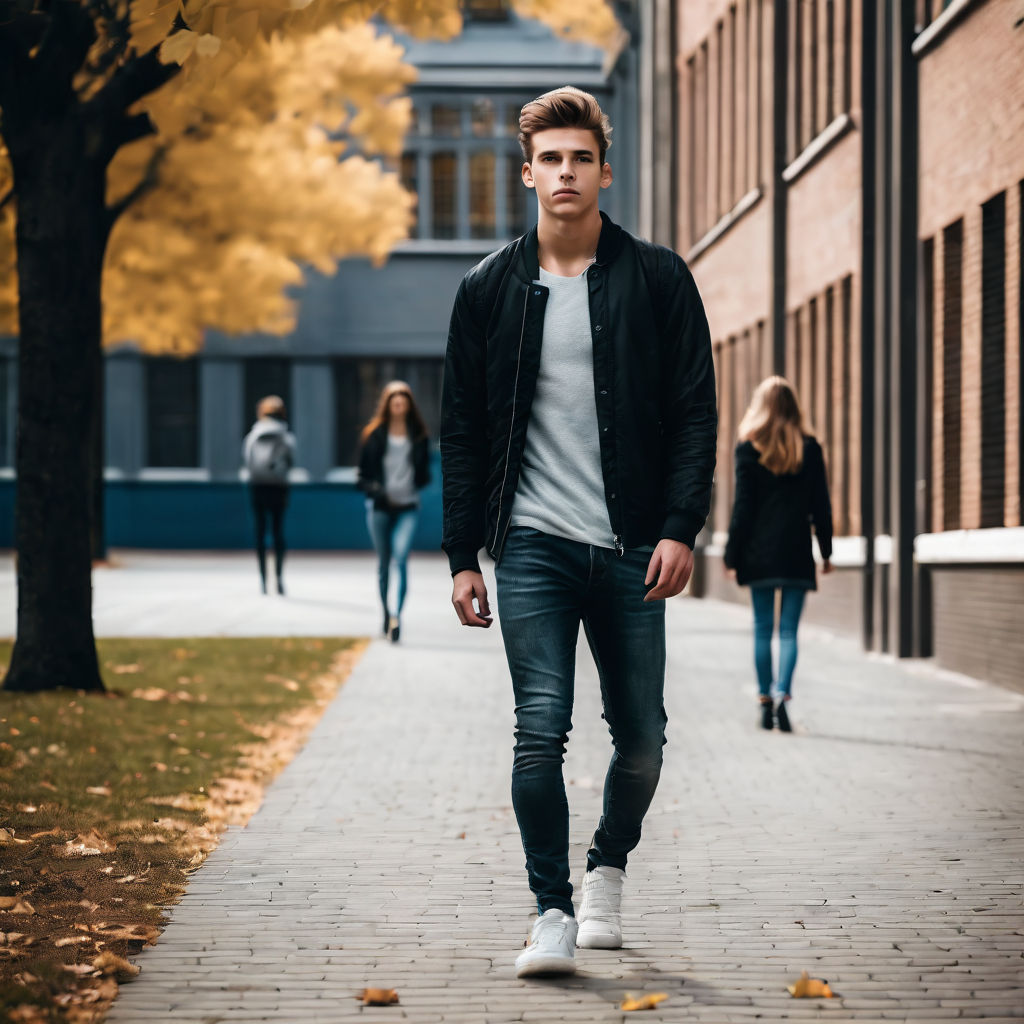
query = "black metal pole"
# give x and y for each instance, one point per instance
(869, 45)
(780, 64)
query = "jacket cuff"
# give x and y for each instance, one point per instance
(461, 558)
(682, 527)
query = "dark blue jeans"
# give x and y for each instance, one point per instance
(763, 599)
(547, 586)
(391, 533)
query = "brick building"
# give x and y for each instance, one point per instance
(846, 182)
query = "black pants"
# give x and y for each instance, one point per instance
(269, 501)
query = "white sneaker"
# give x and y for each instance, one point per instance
(552, 948)
(600, 917)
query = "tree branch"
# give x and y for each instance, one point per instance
(132, 81)
(149, 180)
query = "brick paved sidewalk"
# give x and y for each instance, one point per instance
(880, 847)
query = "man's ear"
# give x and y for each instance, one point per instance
(606, 175)
(528, 176)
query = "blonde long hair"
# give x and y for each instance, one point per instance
(774, 424)
(414, 421)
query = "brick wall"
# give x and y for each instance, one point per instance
(978, 621)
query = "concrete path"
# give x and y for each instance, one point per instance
(881, 847)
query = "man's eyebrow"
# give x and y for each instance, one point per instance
(575, 152)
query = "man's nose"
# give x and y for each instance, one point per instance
(567, 171)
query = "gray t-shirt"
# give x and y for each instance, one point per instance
(561, 488)
(399, 483)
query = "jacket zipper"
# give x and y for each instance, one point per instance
(618, 545)
(511, 427)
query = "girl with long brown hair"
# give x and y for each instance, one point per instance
(394, 466)
(781, 491)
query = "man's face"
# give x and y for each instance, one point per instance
(566, 173)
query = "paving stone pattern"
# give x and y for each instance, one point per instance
(879, 847)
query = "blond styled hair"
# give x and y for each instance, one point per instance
(272, 405)
(774, 424)
(567, 107)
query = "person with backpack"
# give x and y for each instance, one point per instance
(578, 443)
(268, 453)
(781, 492)
(394, 466)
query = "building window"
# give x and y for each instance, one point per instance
(820, 42)
(442, 186)
(466, 170)
(409, 172)
(481, 194)
(265, 376)
(172, 413)
(993, 361)
(723, 101)
(952, 319)
(357, 385)
(486, 10)
(445, 121)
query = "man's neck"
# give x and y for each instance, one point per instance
(567, 248)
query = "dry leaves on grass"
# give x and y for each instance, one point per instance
(88, 844)
(16, 905)
(806, 987)
(648, 1002)
(378, 996)
(7, 838)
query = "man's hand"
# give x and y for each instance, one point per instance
(826, 567)
(466, 586)
(670, 565)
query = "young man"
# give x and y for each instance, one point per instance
(577, 445)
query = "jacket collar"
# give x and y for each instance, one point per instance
(608, 247)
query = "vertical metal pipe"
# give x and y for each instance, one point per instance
(780, 64)
(869, 121)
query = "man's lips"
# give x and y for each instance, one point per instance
(567, 192)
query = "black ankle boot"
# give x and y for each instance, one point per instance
(387, 622)
(783, 717)
(767, 717)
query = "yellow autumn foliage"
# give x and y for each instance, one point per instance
(263, 161)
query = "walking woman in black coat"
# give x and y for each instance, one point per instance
(781, 491)
(394, 466)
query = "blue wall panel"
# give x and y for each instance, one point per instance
(217, 516)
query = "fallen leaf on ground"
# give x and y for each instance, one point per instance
(88, 844)
(151, 693)
(125, 670)
(27, 808)
(810, 988)
(378, 996)
(111, 963)
(648, 1002)
(48, 832)
(99, 790)
(82, 970)
(133, 932)
(7, 938)
(73, 940)
(16, 905)
(7, 838)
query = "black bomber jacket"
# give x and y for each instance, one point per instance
(654, 387)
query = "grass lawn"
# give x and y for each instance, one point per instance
(107, 801)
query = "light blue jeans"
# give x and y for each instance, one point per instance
(763, 599)
(547, 586)
(391, 533)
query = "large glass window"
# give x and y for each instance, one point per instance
(357, 386)
(265, 376)
(481, 194)
(410, 180)
(471, 146)
(443, 168)
(172, 413)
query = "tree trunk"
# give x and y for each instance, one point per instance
(61, 237)
(98, 520)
